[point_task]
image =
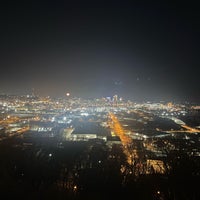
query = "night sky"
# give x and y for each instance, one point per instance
(140, 51)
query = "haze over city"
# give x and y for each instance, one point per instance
(138, 50)
(99, 100)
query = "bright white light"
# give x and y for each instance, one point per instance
(84, 114)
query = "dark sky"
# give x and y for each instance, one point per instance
(141, 51)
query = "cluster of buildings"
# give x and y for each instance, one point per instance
(76, 137)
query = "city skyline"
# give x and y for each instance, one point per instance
(141, 51)
(72, 148)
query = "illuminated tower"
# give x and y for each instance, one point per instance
(33, 92)
(115, 98)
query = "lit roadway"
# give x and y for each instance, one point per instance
(126, 140)
(188, 130)
(183, 125)
(22, 130)
(11, 120)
